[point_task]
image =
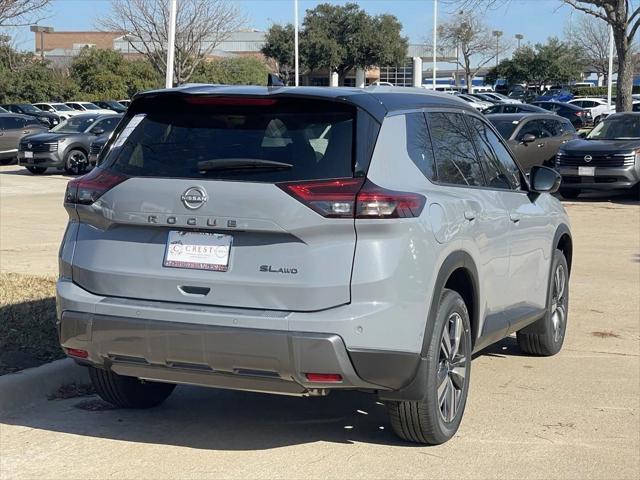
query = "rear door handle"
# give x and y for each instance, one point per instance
(514, 217)
(470, 215)
(540, 145)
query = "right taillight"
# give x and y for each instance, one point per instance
(354, 198)
(87, 189)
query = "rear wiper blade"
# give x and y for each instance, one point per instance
(241, 164)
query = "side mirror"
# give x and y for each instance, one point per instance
(544, 179)
(528, 138)
(97, 131)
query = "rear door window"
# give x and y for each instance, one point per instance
(419, 144)
(455, 155)
(272, 141)
(499, 168)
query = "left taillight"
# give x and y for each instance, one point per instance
(354, 198)
(90, 187)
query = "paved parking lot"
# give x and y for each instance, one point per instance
(575, 415)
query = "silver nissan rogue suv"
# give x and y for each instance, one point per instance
(303, 240)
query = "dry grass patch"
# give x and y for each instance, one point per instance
(28, 336)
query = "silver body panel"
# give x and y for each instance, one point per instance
(369, 283)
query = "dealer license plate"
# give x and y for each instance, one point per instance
(586, 171)
(198, 250)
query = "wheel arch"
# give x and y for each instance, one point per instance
(563, 241)
(458, 272)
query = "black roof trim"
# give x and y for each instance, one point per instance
(377, 101)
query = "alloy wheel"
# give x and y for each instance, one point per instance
(452, 367)
(558, 302)
(76, 162)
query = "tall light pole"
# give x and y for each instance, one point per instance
(435, 39)
(519, 37)
(497, 34)
(610, 75)
(171, 44)
(295, 42)
(41, 30)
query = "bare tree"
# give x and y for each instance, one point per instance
(200, 27)
(623, 16)
(467, 34)
(591, 35)
(19, 13)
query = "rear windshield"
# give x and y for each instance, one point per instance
(504, 127)
(260, 141)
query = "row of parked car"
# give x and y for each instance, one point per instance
(51, 114)
(55, 134)
(544, 133)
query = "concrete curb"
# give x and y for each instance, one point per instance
(33, 385)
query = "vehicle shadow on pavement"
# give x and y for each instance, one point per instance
(507, 347)
(51, 172)
(618, 198)
(222, 420)
(213, 419)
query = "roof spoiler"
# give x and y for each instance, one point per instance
(274, 80)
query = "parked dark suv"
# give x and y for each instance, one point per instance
(579, 117)
(67, 145)
(13, 127)
(306, 240)
(607, 159)
(46, 118)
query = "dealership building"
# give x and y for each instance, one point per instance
(61, 47)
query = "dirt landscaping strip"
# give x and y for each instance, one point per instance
(28, 335)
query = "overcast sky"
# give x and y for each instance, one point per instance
(535, 19)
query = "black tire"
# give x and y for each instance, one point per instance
(76, 161)
(424, 421)
(546, 336)
(8, 161)
(570, 194)
(37, 170)
(128, 392)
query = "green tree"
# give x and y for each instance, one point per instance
(279, 46)
(107, 74)
(28, 79)
(546, 63)
(344, 37)
(232, 71)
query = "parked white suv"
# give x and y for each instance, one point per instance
(63, 111)
(304, 240)
(598, 107)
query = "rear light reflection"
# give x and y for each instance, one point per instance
(76, 352)
(355, 198)
(324, 377)
(87, 189)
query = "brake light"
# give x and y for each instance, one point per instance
(90, 187)
(354, 198)
(232, 101)
(579, 114)
(324, 377)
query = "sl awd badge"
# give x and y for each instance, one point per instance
(194, 197)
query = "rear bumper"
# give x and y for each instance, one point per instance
(604, 178)
(254, 359)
